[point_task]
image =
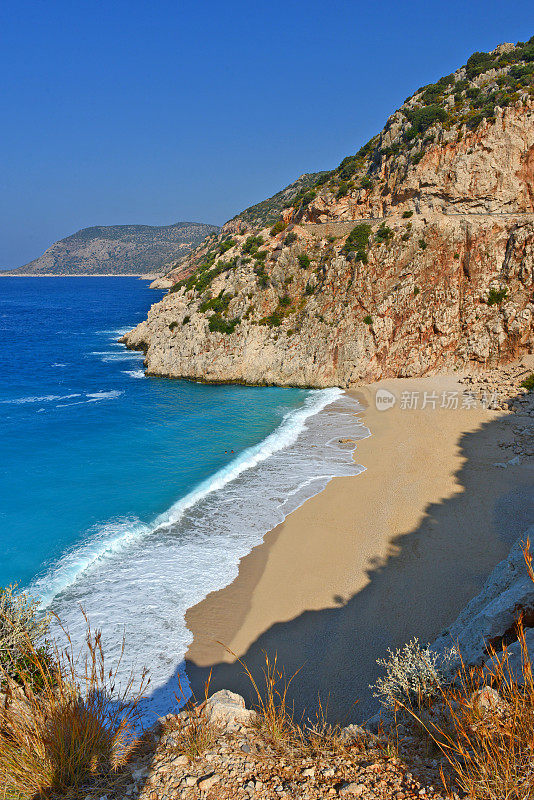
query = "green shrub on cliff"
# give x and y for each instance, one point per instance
(273, 320)
(217, 324)
(251, 244)
(383, 234)
(496, 296)
(528, 383)
(226, 245)
(424, 118)
(278, 227)
(358, 241)
(304, 261)
(219, 304)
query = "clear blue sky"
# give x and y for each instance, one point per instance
(154, 112)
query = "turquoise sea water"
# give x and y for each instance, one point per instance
(120, 492)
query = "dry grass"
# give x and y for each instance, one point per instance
(303, 738)
(63, 734)
(192, 731)
(275, 716)
(488, 739)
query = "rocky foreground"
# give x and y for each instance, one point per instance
(241, 761)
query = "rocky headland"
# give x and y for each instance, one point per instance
(412, 257)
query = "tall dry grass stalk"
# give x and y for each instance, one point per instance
(485, 727)
(62, 733)
(275, 714)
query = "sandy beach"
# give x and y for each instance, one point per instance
(373, 560)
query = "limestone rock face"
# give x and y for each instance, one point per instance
(442, 280)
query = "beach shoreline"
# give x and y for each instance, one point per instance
(372, 560)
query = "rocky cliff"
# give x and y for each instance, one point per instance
(413, 256)
(119, 250)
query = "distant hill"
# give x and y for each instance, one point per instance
(118, 250)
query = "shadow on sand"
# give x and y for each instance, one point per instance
(428, 576)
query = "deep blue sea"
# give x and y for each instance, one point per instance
(121, 492)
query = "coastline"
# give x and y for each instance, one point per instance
(373, 560)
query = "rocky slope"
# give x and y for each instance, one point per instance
(119, 250)
(413, 256)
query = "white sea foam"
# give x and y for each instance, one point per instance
(116, 333)
(134, 373)
(95, 397)
(121, 355)
(92, 397)
(144, 577)
(49, 398)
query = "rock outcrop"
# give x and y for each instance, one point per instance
(489, 620)
(119, 250)
(413, 256)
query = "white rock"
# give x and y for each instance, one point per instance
(227, 709)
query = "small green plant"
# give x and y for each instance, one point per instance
(496, 296)
(186, 319)
(173, 325)
(415, 675)
(368, 320)
(366, 183)
(383, 234)
(407, 214)
(278, 227)
(263, 278)
(304, 261)
(528, 383)
(309, 289)
(219, 303)
(272, 321)
(422, 244)
(456, 256)
(343, 190)
(416, 290)
(290, 238)
(285, 301)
